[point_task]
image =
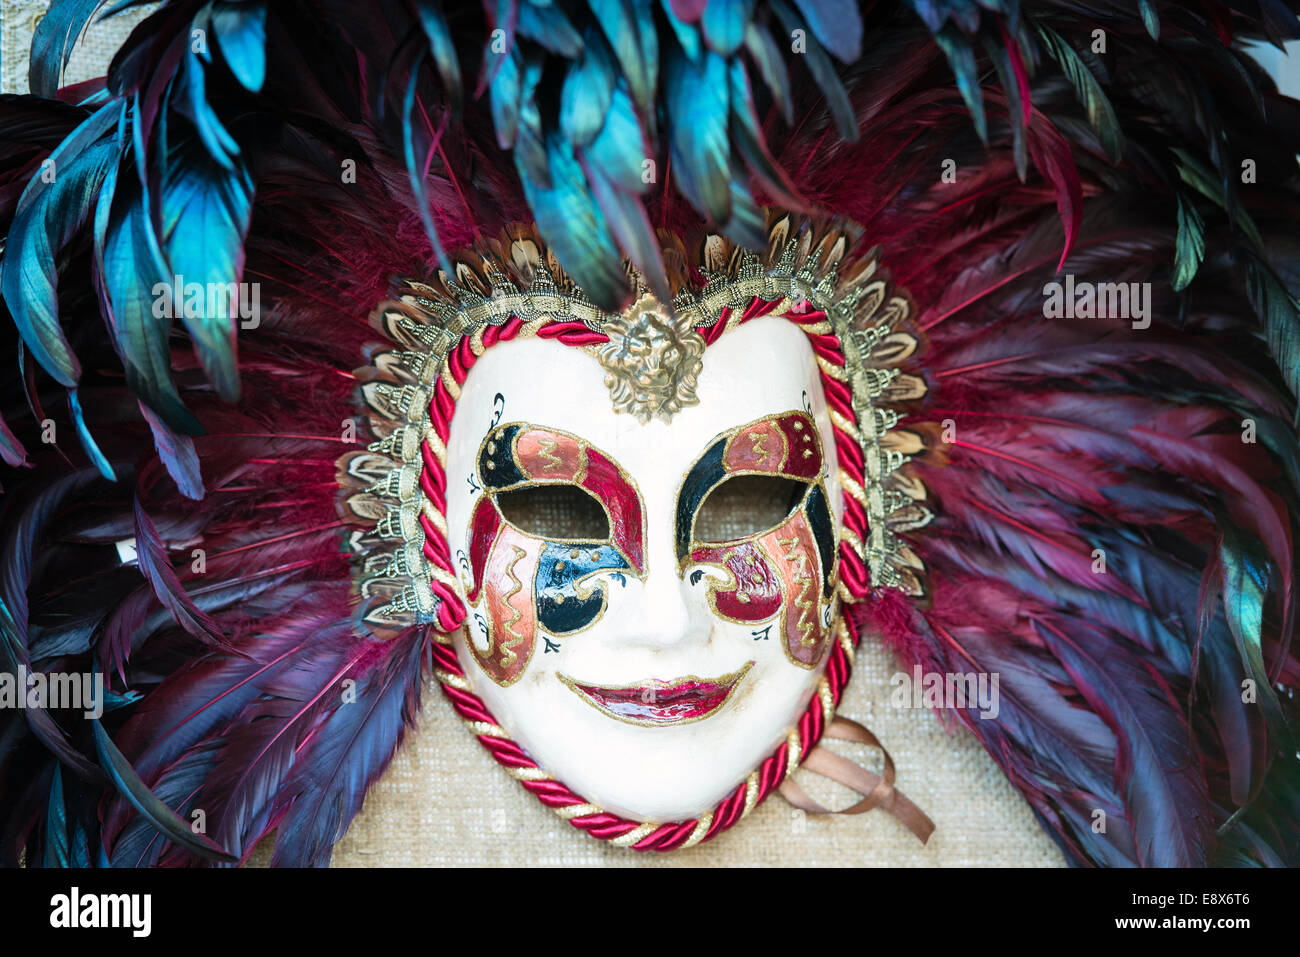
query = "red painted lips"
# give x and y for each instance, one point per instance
(655, 702)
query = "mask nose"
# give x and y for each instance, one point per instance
(660, 609)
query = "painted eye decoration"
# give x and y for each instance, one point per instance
(744, 505)
(780, 560)
(555, 514)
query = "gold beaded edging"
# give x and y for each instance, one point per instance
(516, 276)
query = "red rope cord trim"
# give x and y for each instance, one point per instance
(452, 614)
(606, 826)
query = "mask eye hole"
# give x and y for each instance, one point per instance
(555, 513)
(743, 506)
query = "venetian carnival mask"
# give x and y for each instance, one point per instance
(635, 532)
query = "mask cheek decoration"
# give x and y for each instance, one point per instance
(525, 586)
(789, 571)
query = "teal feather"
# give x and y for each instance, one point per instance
(1100, 112)
(1189, 247)
(588, 87)
(697, 95)
(633, 231)
(79, 847)
(1150, 18)
(687, 34)
(442, 49)
(961, 58)
(724, 24)
(549, 26)
(132, 286)
(1198, 176)
(748, 223)
(618, 20)
(57, 849)
(771, 67)
(506, 93)
(206, 212)
(1246, 582)
(577, 229)
(87, 440)
(824, 72)
(48, 217)
(221, 145)
(530, 149)
(615, 165)
(240, 29)
(147, 174)
(53, 41)
(836, 24)
(621, 148)
(747, 137)
(504, 19)
(648, 38)
(162, 817)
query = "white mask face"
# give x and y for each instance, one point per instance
(651, 661)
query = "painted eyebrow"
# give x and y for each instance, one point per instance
(517, 453)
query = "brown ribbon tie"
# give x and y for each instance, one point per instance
(877, 790)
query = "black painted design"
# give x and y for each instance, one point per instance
(704, 474)
(560, 610)
(496, 463)
(818, 512)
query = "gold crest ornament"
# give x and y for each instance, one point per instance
(652, 360)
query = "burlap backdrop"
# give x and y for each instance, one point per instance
(444, 801)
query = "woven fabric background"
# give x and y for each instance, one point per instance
(444, 801)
